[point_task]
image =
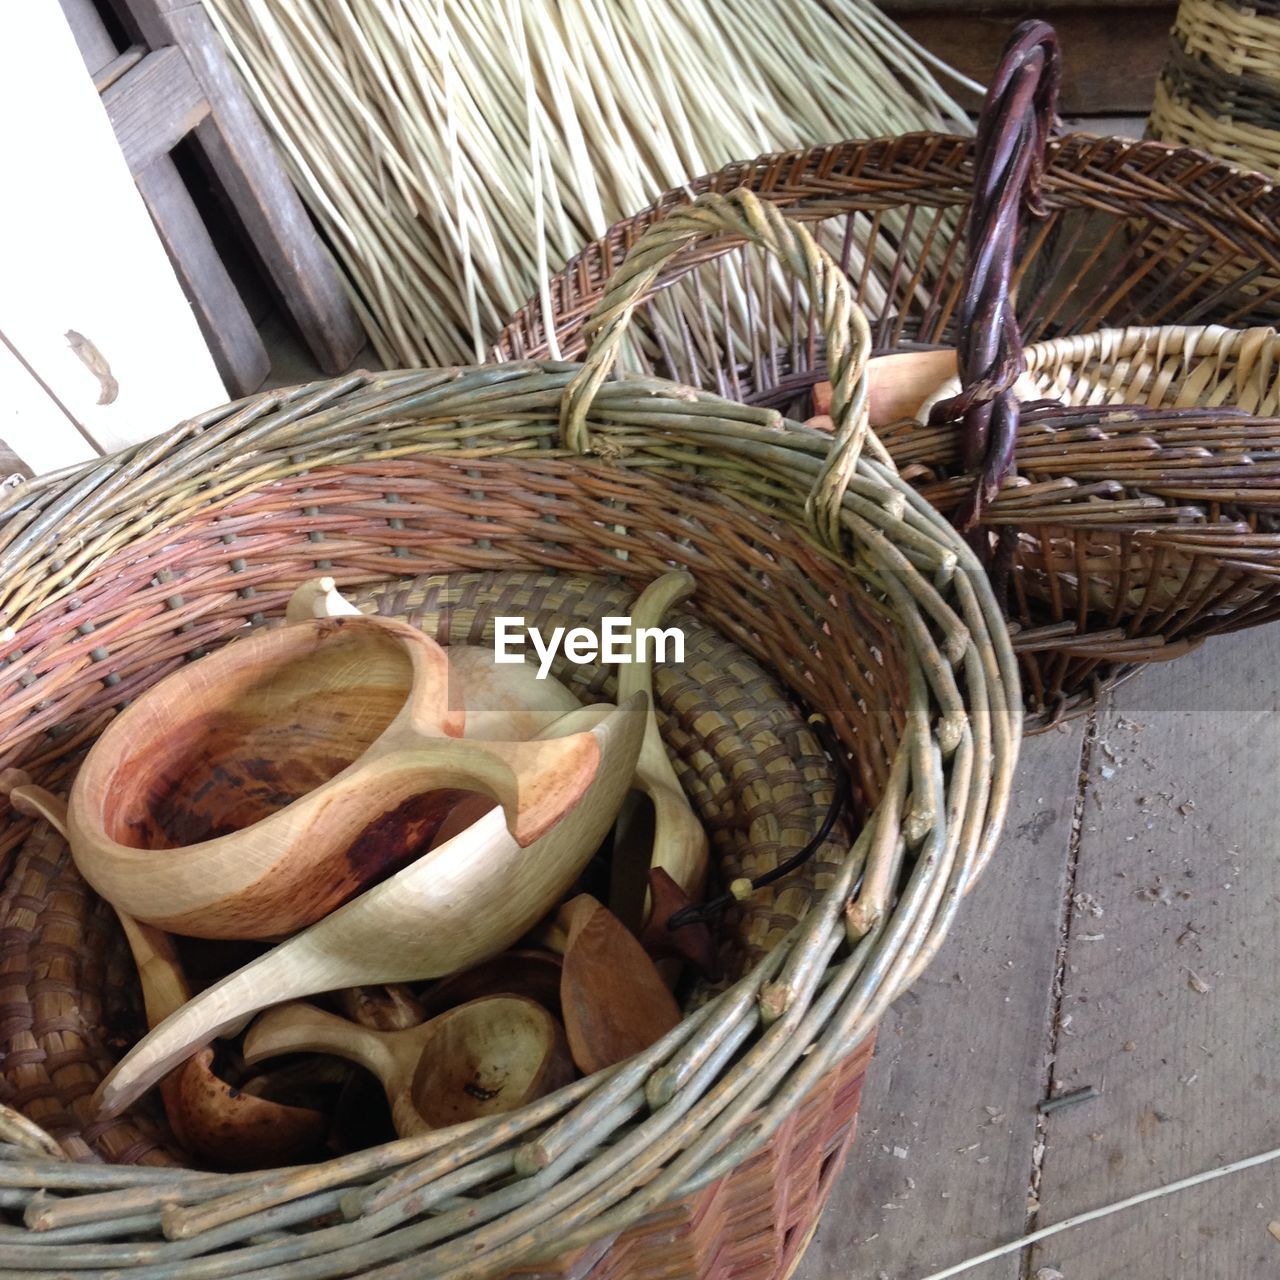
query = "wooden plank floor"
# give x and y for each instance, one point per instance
(1136, 950)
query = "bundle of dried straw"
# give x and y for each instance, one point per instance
(456, 152)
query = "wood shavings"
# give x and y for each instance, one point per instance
(1197, 983)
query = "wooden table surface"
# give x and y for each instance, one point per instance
(1125, 936)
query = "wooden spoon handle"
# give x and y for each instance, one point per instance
(535, 782)
(33, 801)
(164, 985)
(302, 1028)
(676, 841)
(318, 598)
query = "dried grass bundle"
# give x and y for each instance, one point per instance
(458, 151)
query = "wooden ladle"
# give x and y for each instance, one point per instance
(614, 1001)
(481, 1058)
(249, 793)
(462, 902)
(504, 700)
(220, 1126)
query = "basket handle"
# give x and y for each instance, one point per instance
(743, 215)
(1009, 159)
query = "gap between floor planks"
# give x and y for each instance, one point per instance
(1037, 993)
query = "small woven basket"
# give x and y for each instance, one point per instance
(824, 583)
(1101, 565)
(1220, 89)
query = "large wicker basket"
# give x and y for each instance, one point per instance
(1126, 232)
(709, 1154)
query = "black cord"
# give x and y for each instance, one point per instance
(705, 912)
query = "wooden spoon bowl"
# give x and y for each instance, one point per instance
(488, 1056)
(485, 1057)
(250, 793)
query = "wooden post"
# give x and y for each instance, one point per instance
(249, 169)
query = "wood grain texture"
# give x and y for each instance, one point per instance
(246, 163)
(420, 923)
(487, 1056)
(1171, 991)
(237, 350)
(969, 1039)
(1111, 53)
(228, 328)
(92, 38)
(153, 106)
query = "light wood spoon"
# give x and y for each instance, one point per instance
(504, 700)
(251, 792)
(657, 826)
(900, 385)
(484, 1057)
(462, 902)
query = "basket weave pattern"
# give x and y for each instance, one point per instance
(1099, 578)
(820, 564)
(1220, 89)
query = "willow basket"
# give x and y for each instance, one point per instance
(812, 556)
(1126, 232)
(1220, 89)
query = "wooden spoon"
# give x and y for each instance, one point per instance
(382, 1008)
(899, 385)
(504, 701)
(220, 1126)
(669, 834)
(457, 905)
(692, 942)
(614, 1001)
(482, 1058)
(249, 793)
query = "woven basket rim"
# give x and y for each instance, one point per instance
(939, 165)
(816, 1009)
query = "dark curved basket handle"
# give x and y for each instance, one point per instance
(1009, 157)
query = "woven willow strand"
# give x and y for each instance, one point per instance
(396, 123)
(742, 214)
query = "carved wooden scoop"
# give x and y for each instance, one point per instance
(484, 1057)
(251, 792)
(462, 902)
(657, 826)
(220, 1126)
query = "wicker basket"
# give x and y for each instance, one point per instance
(1127, 231)
(1220, 89)
(709, 1154)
